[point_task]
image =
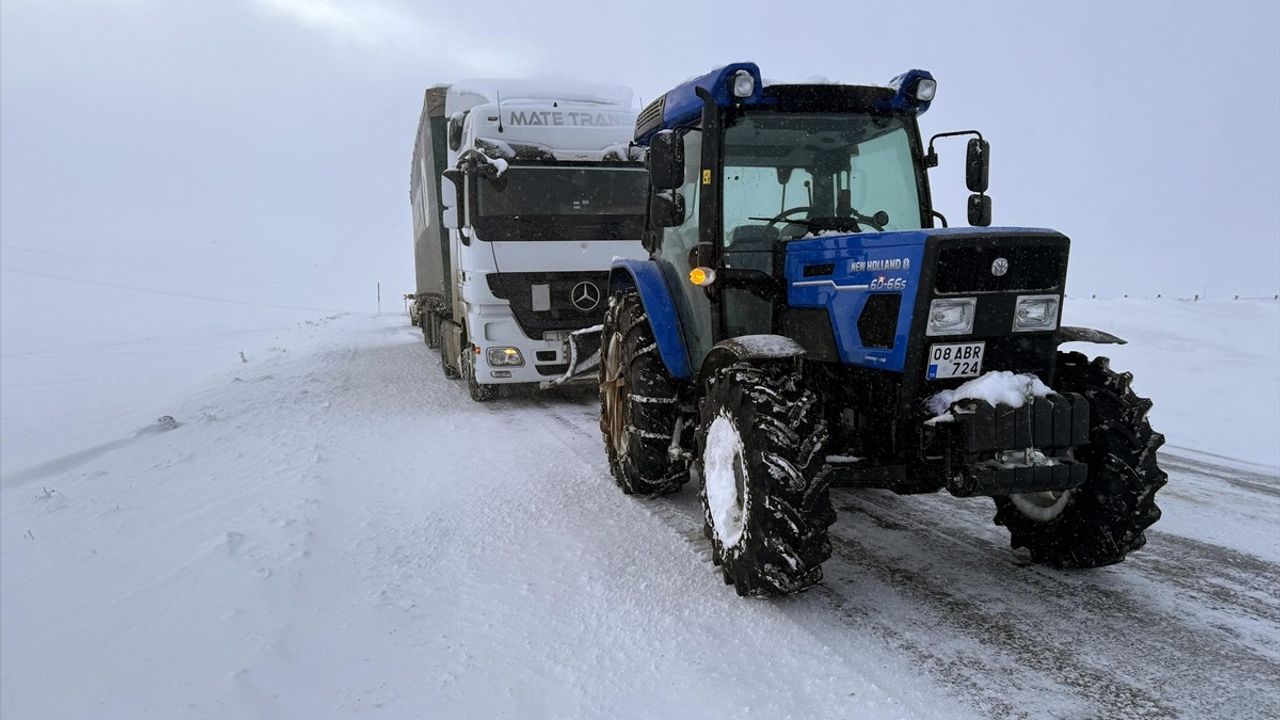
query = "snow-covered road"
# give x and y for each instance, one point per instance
(336, 530)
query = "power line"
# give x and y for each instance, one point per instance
(186, 296)
(182, 270)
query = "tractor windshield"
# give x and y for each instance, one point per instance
(790, 174)
(530, 202)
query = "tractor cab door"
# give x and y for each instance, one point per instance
(678, 256)
(752, 191)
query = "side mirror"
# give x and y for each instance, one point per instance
(977, 166)
(666, 209)
(666, 161)
(450, 209)
(455, 131)
(979, 210)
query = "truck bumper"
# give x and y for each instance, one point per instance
(557, 359)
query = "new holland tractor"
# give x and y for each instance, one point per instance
(801, 322)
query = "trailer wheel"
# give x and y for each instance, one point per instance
(638, 403)
(478, 392)
(764, 493)
(1103, 520)
(450, 372)
(431, 330)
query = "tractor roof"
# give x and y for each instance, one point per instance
(682, 107)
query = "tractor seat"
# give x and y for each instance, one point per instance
(753, 238)
(751, 247)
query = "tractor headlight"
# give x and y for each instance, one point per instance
(951, 316)
(1035, 312)
(743, 84)
(508, 356)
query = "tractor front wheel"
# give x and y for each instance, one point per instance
(1102, 521)
(764, 495)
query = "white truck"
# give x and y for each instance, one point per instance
(542, 191)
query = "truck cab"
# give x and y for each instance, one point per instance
(543, 192)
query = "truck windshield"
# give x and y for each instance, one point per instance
(562, 203)
(790, 174)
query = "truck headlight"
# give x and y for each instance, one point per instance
(508, 356)
(1034, 313)
(743, 84)
(951, 316)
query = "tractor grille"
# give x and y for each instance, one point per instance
(968, 269)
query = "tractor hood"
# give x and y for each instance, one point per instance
(872, 284)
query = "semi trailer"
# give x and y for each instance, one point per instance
(430, 236)
(539, 189)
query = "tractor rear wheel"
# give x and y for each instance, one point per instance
(1103, 520)
(764, 494)
(638, 403)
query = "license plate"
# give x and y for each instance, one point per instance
(955, 360)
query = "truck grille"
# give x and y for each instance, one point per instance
(517, 289)
(968, 269)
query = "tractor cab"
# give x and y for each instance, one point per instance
(739, 169)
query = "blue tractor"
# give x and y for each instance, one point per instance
(802, 320)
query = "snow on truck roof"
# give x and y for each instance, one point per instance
(466, 94)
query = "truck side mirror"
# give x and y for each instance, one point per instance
(977, 166)
(455, 131)
(979, 210)
(666, 160)
(450, 209)
(666, 209)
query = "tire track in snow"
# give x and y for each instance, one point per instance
(1184, 628)
(1107, 637)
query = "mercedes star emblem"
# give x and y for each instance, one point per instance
(585, 296)
(999, 267)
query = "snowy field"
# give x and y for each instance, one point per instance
(333, 529)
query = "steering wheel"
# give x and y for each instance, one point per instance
(873, 221)
(786, 213)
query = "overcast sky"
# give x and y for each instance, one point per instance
(258, 149)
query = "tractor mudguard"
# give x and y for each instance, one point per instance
(1068, 333)
(646, 278)
(749, 347)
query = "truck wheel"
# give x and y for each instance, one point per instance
(449, 371)
(638, 407)
(764, 496)
(478, 392)
(1103, 520)
(431, 330)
